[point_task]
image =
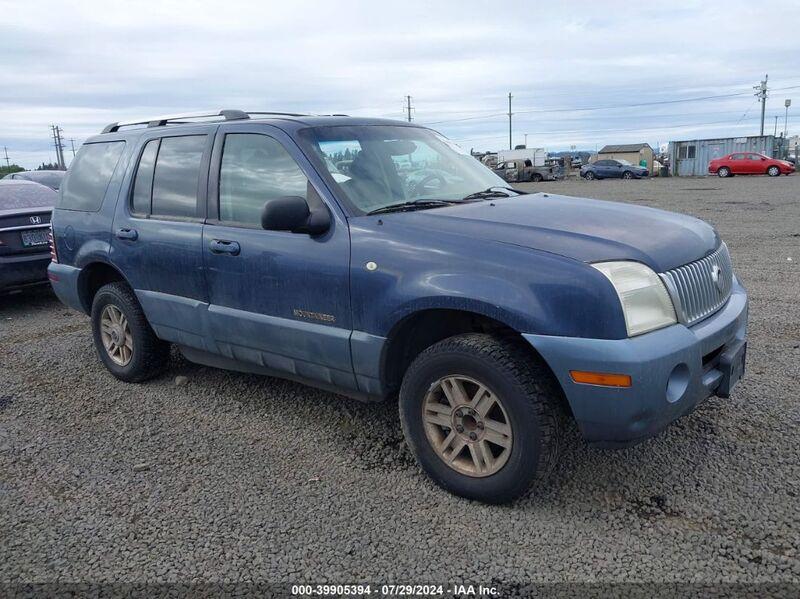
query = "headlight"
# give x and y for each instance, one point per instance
(645, 301)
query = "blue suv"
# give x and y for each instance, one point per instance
(378, 260)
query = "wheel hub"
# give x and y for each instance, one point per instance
(467, 426)
(116, 335)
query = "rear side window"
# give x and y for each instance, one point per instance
(143, 184)
(89, 176)
(176, 176)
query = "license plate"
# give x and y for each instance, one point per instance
(35, 237)
(731, 364)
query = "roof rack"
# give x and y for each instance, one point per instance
(160, 121)
(181, 119)
(277, 113)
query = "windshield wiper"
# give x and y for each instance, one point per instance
(492, 192)
(419, 204)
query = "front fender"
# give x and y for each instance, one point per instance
(528, 290)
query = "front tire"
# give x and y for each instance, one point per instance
(724, 172)
(481, 416)
(773, 171)
(589, 176)
(123, 338)
(536, 178)
(627, 175)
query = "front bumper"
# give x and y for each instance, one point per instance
(23, 269)
(672, 371)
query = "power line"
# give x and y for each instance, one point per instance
(612, 130)
(593, 108)
(616, 90)
(608, 107)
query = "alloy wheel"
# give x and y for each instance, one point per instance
(467, 426)
(116, 335)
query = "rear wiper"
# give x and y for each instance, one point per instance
(419, 204)
(492, 192)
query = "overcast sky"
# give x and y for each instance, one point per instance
(84, 64)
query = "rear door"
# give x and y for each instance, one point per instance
(158, 231)
(277, 299)
(738, 164)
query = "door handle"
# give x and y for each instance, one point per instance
(222, 246)
(130, 234)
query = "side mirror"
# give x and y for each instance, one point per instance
(291, 213)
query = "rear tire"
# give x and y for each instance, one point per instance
(536, 178)
(723, 172)
(123, 338)
(773, 171)
(482, 385)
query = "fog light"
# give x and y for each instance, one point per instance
(677, 383)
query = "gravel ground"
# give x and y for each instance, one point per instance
(224, 476)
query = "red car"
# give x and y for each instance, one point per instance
(748, 163)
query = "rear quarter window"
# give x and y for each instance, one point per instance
(89, 176)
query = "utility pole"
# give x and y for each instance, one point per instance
(526, 139)
(59, 147)
(62, 163)
(761, 94)
(510, 147)
(787, 102)
(55, 141)
(408, 107)
(775, 133)
(8, 162)
(72, 143)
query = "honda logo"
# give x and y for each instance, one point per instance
(36, 220)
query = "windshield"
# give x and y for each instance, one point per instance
(624, 162)
(375, 166)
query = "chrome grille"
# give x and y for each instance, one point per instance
(695, 290)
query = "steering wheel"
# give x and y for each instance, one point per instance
(420, 186)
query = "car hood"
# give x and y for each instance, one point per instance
(579, 228)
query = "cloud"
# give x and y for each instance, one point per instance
(84, 64)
